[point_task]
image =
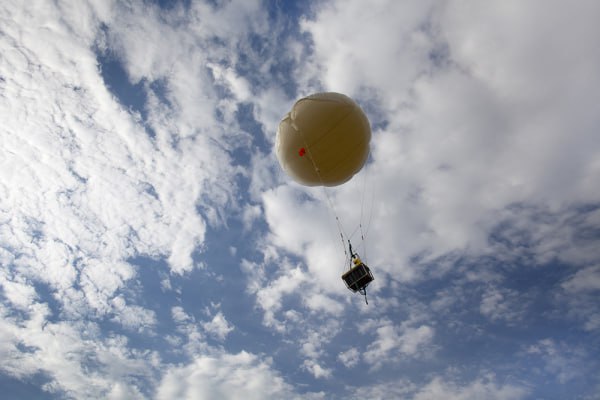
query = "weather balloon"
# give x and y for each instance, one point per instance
(323, 140)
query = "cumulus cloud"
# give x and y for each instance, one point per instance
(561, 360)
(587, 279)
(501, 304)
(224, 376)
(486, 387)
(316, 370)
(218, 326)
(133, 317)
(21, 295)
(350, 357)
(313, 344)
(385, 33)
(481, 388)
(580, 294)
(270, 297)
(393, 343)
(63, 352)
(398, 389)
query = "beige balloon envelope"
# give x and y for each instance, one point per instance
(323, 140)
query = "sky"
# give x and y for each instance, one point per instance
(151, 247)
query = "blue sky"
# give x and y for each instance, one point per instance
(152, 248)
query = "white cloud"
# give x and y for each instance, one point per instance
(308, 319)
(399, 389)
(486, 387)
(83, 188)
(122, 392)
(393, 343)
(321, 303)
(563, 361)
(227, 77)
(502, 304)
(584, 280)
(192, 341)
(179, 315)
(63, 351)
(100, 281)
(250, 214)
(315, 339)
(592, 322)
(350, 357)
(132, 316)
(483, 388)
(412, 340)
(316, 370)
(20, 294)
(303, 225)
(84, 164)
(294, 220)
(381, 48)
(224, 376)
(218, 326)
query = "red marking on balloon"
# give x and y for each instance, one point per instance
(302, 152)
